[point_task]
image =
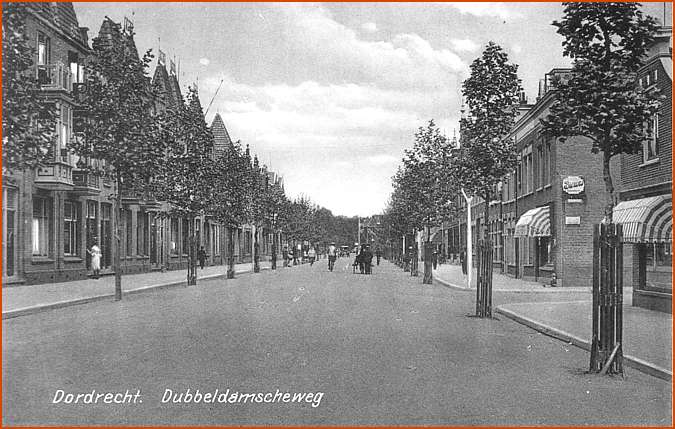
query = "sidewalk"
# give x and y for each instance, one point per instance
(647, 334)
(451, 275)
(23, 300)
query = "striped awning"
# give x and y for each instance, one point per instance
(647, 220)
(534, 223)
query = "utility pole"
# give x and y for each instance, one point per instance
(358, 237)
(469, 244)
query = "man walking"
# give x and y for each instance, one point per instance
(332, 255)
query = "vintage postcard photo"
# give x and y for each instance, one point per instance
(336, 214)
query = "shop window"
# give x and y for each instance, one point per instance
(650, 146)
(656, 266)
(71, 229)
(545, 244)
(41, 231)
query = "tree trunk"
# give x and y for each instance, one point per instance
(230, 253)
(192, 257)
(609, 188)
(487, 215)
(428, 257)
(256, 251)
(274, 248)
(117, 261)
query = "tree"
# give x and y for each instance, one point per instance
(120, 128)
(491, 93)
(231, 195)
(601, 100)
(28, 121)
(423, 185)
(189, 172)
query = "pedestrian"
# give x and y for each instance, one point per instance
(332, 256)
(368, 260)
(285, 255)
(96, 255)
(201, 257)
(378, 255)
(462, 260)
(434, 259)
(312, 256)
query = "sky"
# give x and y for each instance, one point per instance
(329, 95)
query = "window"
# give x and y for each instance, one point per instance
(65, 126)
(41, 231)
(129, 230)
(91, 225)
(9, 205)
(549, 164)
(650, 146)
(656, 267)
(71, 230)
(185, 241)
(76, 69)
(142, 232)
(44, 49)
(174, 237)
(216, 240)
(105, 242)
(541, 167)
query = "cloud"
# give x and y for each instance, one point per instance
(406, 60)
(378, 160)
(204, 61)
(369, 27)
(517, 48)
(464, 45)
(491, 9)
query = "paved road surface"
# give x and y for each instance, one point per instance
(384, 349)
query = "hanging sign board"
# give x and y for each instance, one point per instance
(573, 185)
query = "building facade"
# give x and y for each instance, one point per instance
(55, 213)
(646, 196)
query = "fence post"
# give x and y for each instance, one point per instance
(596, 304)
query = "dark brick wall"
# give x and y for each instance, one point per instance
(634, 174)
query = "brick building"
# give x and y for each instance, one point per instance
(52, 215)
(646, 196)
(44, 210)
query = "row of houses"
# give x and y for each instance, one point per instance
(542, 222)
(53, 214)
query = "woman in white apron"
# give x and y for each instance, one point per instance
(95, 253)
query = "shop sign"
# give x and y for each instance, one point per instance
(573, 185)
(572, 220)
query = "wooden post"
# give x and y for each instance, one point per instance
(596, 297)
(619, 290)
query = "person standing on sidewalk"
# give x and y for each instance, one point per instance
(96, 254)
(201, 256)
(312, 256)
(462, 260)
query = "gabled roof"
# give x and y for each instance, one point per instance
(63, 16)
(167, 86)
(220, 135)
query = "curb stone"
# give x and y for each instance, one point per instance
(631, 361)
(27, 311)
